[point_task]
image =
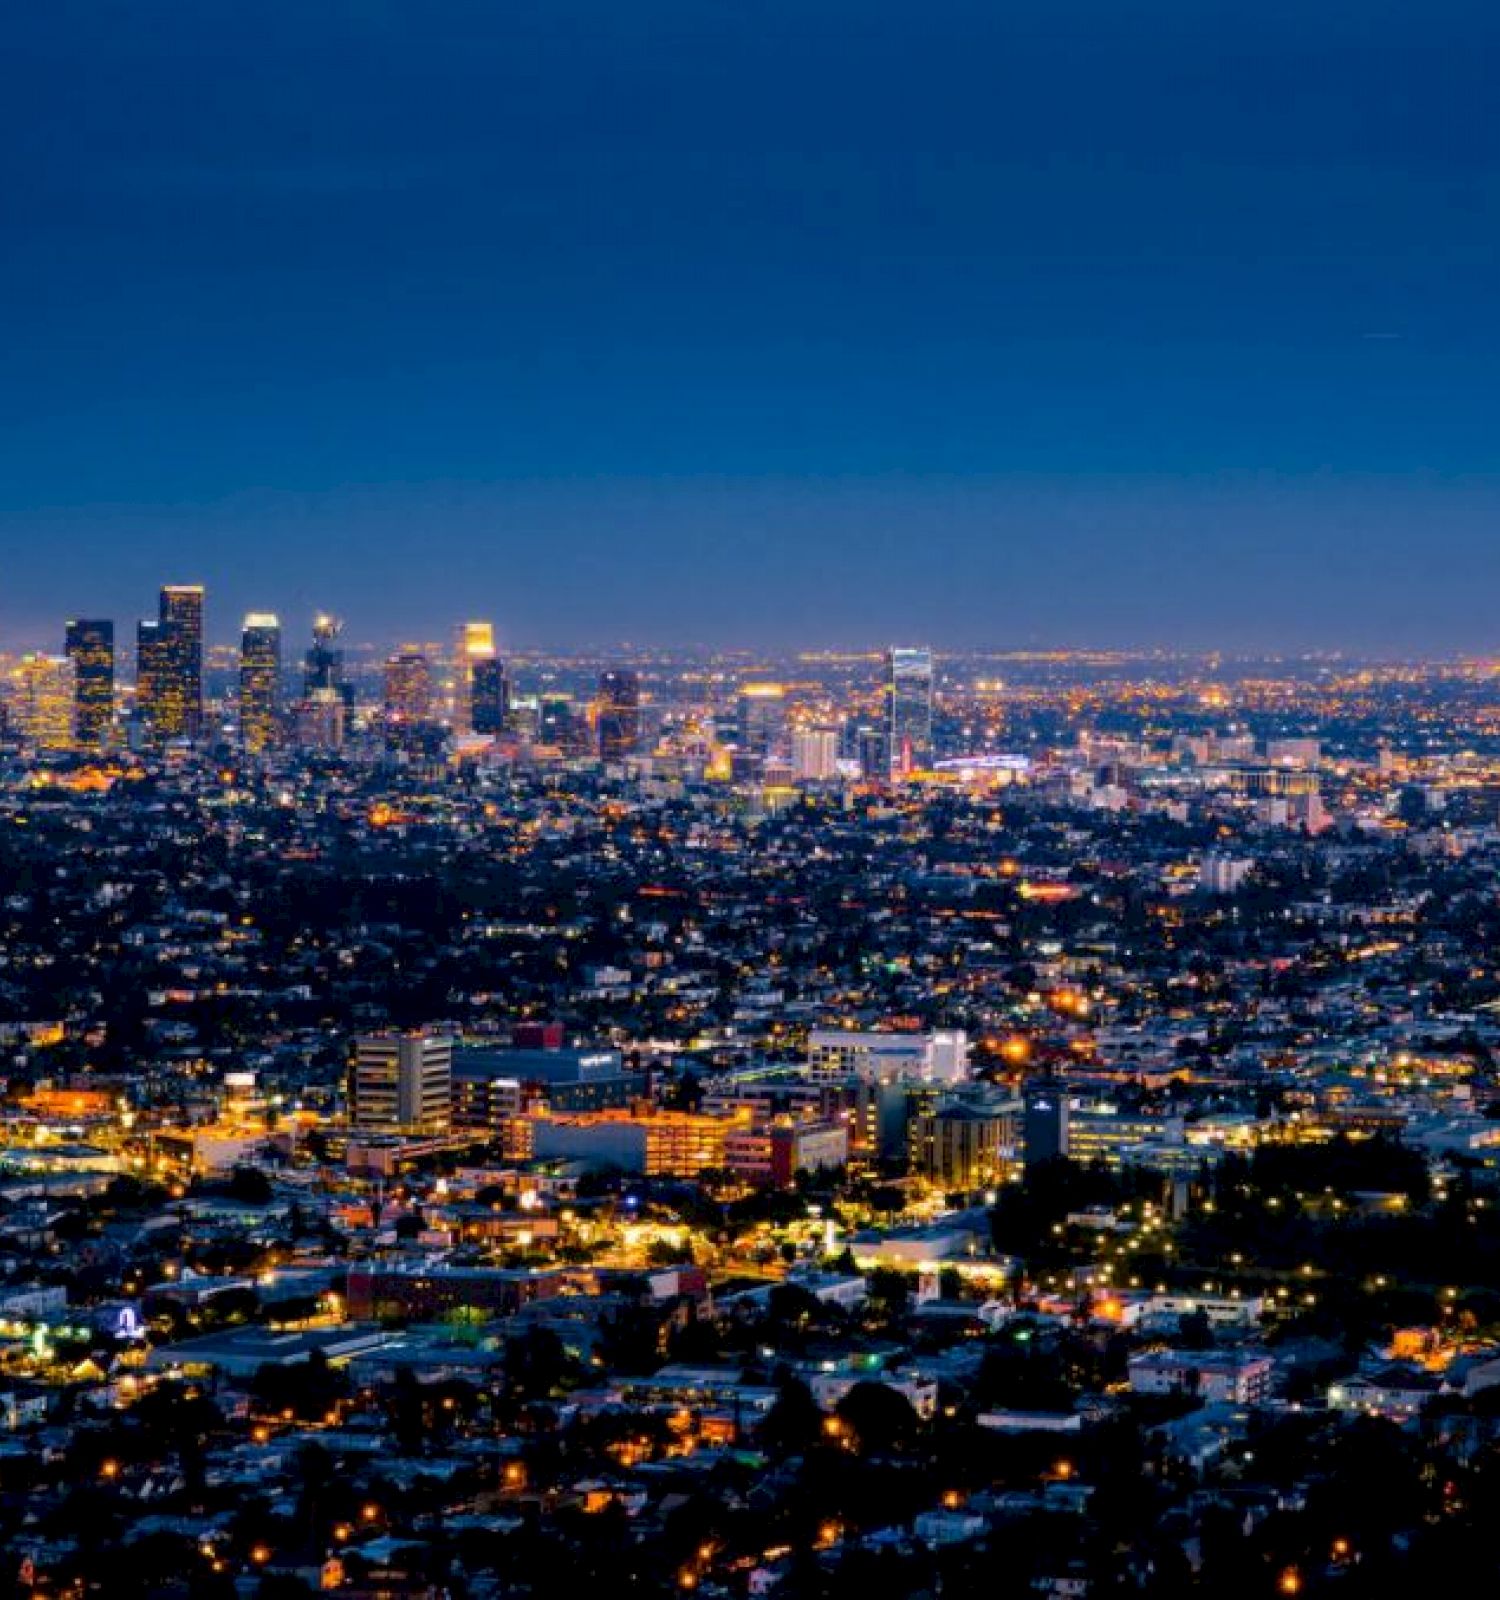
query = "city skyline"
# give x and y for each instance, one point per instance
(792, 327)
(750, 800)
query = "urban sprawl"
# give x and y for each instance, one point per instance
(484, 1124)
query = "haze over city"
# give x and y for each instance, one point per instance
(749, 800)
(777, 326)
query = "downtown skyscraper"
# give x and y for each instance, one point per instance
(478, 677)
(260, 682)
(619, 713)
(169, 666)
(45, 701)
(908, 694)
(89, 643)
(323, 663)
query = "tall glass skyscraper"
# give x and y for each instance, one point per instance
(46, 693)
(260, 682)
(489, 696)
(908, 690)
(89, 644)
(473, 657)
(150, 668)
(323, 664)
(169, 666)
(619, 713)
(408, 687)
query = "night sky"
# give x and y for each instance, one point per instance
(1167, 323)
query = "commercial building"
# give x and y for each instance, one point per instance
(401, 1082)
(45, 701)
(1046, 1133)
(260, 682)
(774, 1153)
(966, 1146)
(676, 1144)
(1103, 1133)
(873, 1112)
(815, 755)
(908, 690)
(490, 1085)
(423, 1293)
(889, 1057)
(619, 722)
(169, 666)
(182, 624)
(408, 693)
(489, 697)
(475, 651)
(760, 718)
(323, 663)
(322, 720)
(89, 643)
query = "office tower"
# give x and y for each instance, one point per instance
(908, 691)
(619, 713)
(558, 723)
(323, 663)
(401, 1082)
(872, 749)
(169, 666)
(408, 688)
(966, 1144)
(489, 697)
(45, 691)
(321, 720)
(90, 645)
(760, 717)
(815, 755)
(260, 682)
(181, 688)
(150, 670)
(1046, 1133)
(475, 649)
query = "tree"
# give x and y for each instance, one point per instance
(794, 1424)
(310, 1389)
(880, 1418)
(250, 1186)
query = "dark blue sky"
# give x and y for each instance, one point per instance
(785, 320)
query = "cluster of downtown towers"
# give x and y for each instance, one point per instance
(169, 687)
(169, 699)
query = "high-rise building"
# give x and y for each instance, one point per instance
(966, 1144)
(908, 690)
(560, 723)
(182, 623)
(1046, 1130)
(408, 688)
(169, 666)
(872, 750)
(475, 651)
(760, 717)
(321, 720)
(489, 697)
(260, 682)
(90, 645)
(815, 755)
(45, 689)
(323, 664)
(150, 669)
(619, 713)
(401, 1082)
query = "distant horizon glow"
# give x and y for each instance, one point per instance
(767, 328)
